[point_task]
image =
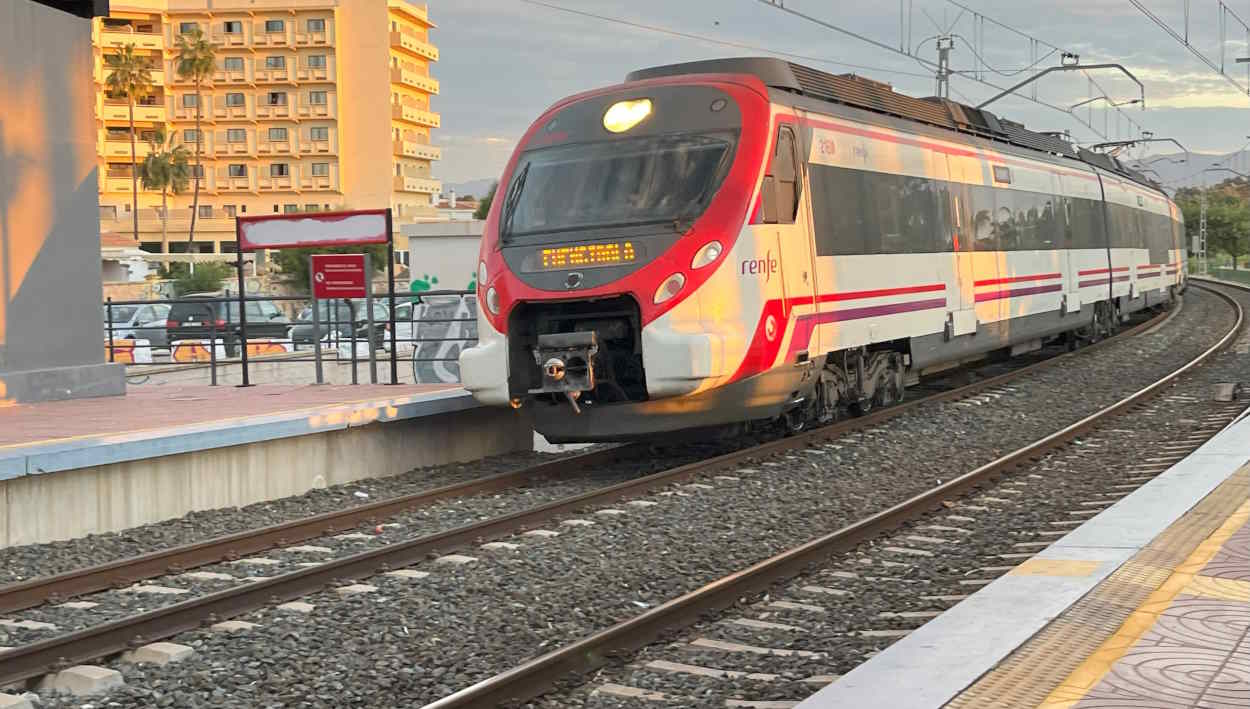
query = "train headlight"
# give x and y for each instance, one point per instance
(623, 115)
(481, 274)
(669, 288)
(708, 254)
(492, 300)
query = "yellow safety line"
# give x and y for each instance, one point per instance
(1184, 577)
(310, 408)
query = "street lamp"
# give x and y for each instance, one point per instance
(1104, 98)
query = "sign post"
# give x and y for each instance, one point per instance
(373, 355)
(313, 230)
(316, 318)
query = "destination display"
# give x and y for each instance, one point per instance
(611, 253)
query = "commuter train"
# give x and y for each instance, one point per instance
(749, 239)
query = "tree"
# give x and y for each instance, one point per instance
(1228, 216)
(196, 62)
(483, 207)
(294, 262)
(130, 77)
(206, 278)
(165, 169)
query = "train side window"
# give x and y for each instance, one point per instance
(781, 187)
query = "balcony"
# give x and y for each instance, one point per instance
(261, 38)
(308, 73)
(416, 12)
(233, 113)
(117, 38)
(414, 80)
(273, 76)
(316, 147)
(402, 183)
(181, 113)
(113, 111)
(405, 41)
(221, 76)
(265, 110)
(265, 147)
(318, 182)
(276, 184)
(120, 149)
(312, 39)
(413, 114)
(225, 149)
(234, 184)
(114, 182)
(318, 110)
(102, 71)
(414, 149)
(229, 39)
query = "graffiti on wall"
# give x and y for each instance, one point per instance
(443, 325)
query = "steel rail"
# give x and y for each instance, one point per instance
(39, 658)
(536, 676)
(123, 572)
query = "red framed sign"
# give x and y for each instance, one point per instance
(338, 276)
(312, 229)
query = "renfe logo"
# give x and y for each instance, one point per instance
(766, 267)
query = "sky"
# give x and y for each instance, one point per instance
(502, 62)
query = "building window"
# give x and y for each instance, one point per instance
(197, 171)
(236, 135)
(319, 133)
(321, 169)
(117, 133)
(317, 98)
(233, 63)
(230, 210)
(238, 170)
(317, 61)
(275, 26)
(234, 100)
(277, 134)
(279, 169)
(312, 208)
(206, 211)
(276, 98)
(290, 208)
(232, 27)
(275, 209)
(189, 100)
(190, 136)
(394, 26)
(187, 27)
(278, 62)
(399, 170)
(317, 25)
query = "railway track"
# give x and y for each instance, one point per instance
(539, 675)
(38, 658)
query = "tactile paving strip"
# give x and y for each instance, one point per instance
(1029, 675)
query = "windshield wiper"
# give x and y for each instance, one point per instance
(510, 202)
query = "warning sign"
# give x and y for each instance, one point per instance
(338, 275)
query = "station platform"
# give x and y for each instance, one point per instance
(1146, 605)
(162, 451)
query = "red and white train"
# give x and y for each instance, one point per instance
(750, 239)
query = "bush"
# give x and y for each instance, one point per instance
(206, 278)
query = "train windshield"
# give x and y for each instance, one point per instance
(666, 178)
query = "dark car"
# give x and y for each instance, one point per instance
(337, 317)
(197, 320)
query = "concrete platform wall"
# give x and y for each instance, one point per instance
(116, 496)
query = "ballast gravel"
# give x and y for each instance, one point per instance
(415, 640)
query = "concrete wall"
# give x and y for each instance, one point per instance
(443, 255)
(51, 335)
(109, 498)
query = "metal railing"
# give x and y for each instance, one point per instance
(430, 330)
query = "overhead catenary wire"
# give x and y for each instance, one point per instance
(722, 42)
(1184, 41)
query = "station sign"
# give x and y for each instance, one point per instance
(339, 276)
(313, 229)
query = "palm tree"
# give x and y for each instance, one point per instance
(195, 62)
(130, 77)
(165, 169)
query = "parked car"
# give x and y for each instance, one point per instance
(197, 320)
(138, 322)
(336, 317)
(404, 328)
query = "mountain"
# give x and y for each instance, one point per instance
(477, 188)
(1177, 170)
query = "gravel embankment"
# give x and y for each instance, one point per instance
(414, 640)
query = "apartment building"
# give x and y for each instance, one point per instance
(313, 105)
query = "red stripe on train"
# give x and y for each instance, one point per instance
(1017, 292)
(806, 324)
(1018, 279)
(1092, 271)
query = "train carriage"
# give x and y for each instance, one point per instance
(749, 239)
